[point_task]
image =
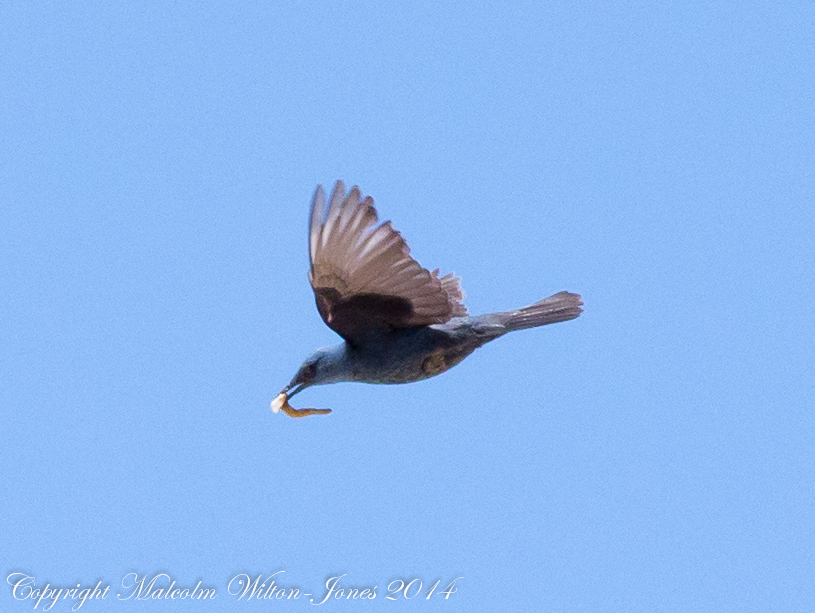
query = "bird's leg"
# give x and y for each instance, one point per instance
(282, 403)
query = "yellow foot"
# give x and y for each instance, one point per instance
(282, 403)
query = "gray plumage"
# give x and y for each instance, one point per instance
(400, 322)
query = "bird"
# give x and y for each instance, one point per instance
(399, 322)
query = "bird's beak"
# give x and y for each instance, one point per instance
(292, 388)
(282, 399)
(287, 392)
(281, 403)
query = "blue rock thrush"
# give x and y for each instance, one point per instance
(400, 322)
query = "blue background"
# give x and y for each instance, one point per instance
(658, 454)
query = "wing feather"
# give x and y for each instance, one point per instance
(363, 276)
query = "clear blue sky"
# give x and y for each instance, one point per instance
(658, 454)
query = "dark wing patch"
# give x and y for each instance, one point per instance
(358, 315)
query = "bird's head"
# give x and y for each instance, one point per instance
(321, 367)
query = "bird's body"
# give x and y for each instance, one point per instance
(401, 323)
(423, 352)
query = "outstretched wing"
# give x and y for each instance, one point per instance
(362, 274)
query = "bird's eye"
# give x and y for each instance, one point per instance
(312, 370)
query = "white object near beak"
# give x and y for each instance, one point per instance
(278, 402)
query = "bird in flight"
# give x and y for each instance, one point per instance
(399, 322)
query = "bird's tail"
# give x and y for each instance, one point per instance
(563, 306)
